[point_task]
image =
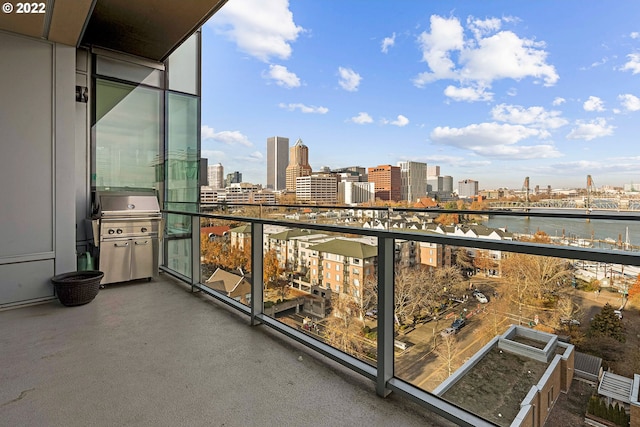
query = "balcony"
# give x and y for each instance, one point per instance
(165, 351)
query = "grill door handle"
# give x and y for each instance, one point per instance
(141, 243)
(121, 245)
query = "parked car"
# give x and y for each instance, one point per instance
(568, 321)
(458, 324)
(372, 313)
(481, 297)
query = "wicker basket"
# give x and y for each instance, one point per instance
(78, 287)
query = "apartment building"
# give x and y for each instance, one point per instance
(342, 265)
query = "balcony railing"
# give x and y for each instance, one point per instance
(383, 357)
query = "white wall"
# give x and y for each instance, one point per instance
(37, 166)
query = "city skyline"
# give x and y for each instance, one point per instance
(475, 88)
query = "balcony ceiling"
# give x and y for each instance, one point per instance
(150, 29)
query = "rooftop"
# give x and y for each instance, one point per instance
(153, 353)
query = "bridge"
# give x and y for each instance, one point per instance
(603, 204)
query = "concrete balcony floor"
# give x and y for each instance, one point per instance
(153, 353)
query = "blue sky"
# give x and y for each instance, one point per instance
(488, 90)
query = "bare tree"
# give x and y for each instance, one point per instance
(541, 276)
(447, 351)
(342, 330)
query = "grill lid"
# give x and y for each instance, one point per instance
(112, 204)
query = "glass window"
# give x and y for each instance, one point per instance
(184, 66)
(128, 131)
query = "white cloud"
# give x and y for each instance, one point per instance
(533, 116)
(633, 64)
(256, 156)
(496, 140)
(635, 35)
(214, 156)
(469, 94)
(226, 137)
(590, 130)
(388, 42)
(282, 76)
(400, 121)
(630, 102)
(593, 104)
(263, 29)
(558, 101)
(304, 108)
(361, 119)
(349, 79)
(487, 56)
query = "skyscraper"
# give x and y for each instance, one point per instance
(298, 164)
(215, 174)
(414, 180)
(388, 182)
(277, 161)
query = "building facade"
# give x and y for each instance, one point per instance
(298, 164)
(413, 180)
(317, 188)
(388, 182)
(467, 188)
(215, 176)
(277, 161)
(354, 193)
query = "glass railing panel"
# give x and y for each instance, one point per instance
(448, 314)
(317, 282)
(225, 254)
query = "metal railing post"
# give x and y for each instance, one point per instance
(257, 285)
(385, 315)
(195, 251)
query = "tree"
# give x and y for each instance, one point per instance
(272, 272)
(607, 324)
(541, 276)
(464, 260)
(483, 261)
(447, 351)
(341, 330)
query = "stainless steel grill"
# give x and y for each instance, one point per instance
(127, 229)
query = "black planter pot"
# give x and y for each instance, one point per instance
(78, 287)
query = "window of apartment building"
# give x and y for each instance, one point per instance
(337, 267)
(328, 265)
(356, 271)
(328, 275)
(337, 277)
(338, 288)
(313, 271)
(356, 282)
(356, 261)
(314, 263)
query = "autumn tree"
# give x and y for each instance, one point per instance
(634, 292)
(483, 261)
(272, 272)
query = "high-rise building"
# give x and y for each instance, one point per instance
(413, 180)
(321, 188)
(447, 184)
(433, 170)
(215, 174)
(298, 164)
(277, 161)
(467, 188)
(234, 178)
(388, 182)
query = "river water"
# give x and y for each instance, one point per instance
(602, 232)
